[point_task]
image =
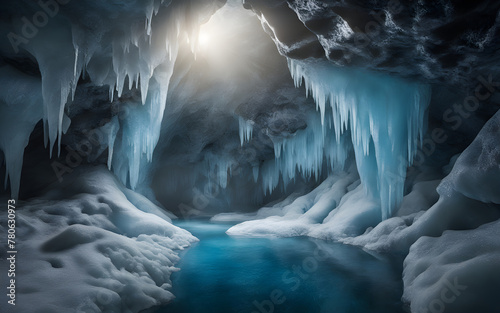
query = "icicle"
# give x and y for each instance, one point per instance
(112, 131)
(246, 129)
(255, 172)
(20, 111)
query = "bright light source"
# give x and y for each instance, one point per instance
(204, 37)
(231, 35)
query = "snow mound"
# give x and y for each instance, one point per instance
(457, 272)
(337, 208)
(86, 248)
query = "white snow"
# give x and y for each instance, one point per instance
(337, 208)
(457, 272)
(86, 248)
(468, 258)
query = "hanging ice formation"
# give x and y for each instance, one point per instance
(98, 47)
(378, 116)
(220, 169)
(20, 111)
(246, 130)
(384, 115)
(307, 154)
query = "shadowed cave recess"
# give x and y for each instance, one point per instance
(366, 128)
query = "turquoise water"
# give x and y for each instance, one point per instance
(231, 274)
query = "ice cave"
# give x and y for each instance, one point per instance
(250, 156)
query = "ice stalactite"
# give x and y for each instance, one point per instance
(140, 127)
(146, 59)
(20, 111)
(307, 154)
(246, 130)
(220, 169)
(384, 115)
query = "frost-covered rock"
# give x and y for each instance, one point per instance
(84, 247)
(413, 39)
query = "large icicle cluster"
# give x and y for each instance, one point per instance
(113, 45)
(384, 116)
(307, 153)
(380, 117)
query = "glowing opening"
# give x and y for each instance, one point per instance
(204, 37)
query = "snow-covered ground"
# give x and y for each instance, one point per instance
(91, 245)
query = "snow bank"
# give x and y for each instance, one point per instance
(337, 208)
(84, 247)
(457, 272)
